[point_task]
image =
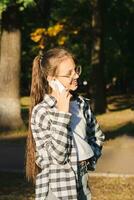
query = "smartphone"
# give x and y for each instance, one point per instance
(57, 85)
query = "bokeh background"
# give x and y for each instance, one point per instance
(100, 35)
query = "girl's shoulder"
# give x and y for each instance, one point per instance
(39, 113)
(39, 108)
(83, 100)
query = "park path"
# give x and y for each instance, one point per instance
(12, 157)
(117, 157)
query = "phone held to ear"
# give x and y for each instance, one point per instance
(57, 85)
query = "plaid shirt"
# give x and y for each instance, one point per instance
(55, 149)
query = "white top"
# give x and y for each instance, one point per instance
(78, 126)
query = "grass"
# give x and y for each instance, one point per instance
(14, 187)
(112, 188)
(116, 124)
(114, 120)
(119, 118)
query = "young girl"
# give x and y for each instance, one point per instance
(64, 141)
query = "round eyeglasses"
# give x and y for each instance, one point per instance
(78, 71)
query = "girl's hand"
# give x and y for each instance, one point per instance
(63, 100)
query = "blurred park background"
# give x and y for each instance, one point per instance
(100, 35)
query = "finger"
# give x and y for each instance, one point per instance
(56, 93)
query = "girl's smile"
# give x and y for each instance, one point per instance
(74, 83)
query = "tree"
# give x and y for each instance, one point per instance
(97, 57)
(10, 57)
(119, 45)
(10, 54)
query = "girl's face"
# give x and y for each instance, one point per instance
(67, 74)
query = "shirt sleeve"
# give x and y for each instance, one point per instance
(51, 136)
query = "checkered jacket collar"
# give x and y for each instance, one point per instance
(50, 100)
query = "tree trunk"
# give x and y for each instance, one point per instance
(10, 115)
(97, 58)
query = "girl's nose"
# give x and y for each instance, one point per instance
(76, 76)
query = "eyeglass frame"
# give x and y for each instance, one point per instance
(68, 76)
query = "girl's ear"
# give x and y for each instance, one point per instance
(50, 78)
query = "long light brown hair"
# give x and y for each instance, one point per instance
(43, 65)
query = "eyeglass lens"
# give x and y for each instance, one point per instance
(78, 69)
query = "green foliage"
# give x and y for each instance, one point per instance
(23, 4)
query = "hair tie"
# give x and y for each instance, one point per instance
(41, 56)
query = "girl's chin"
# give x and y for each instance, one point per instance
(73, 88)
